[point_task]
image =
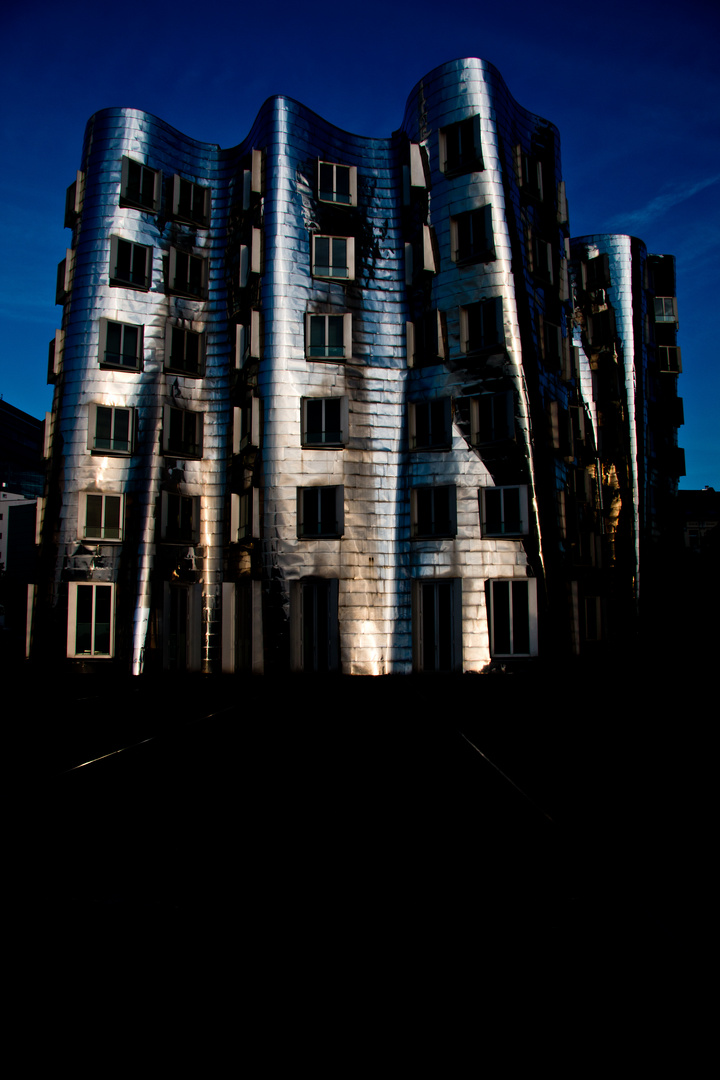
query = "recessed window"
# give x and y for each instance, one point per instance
(187, 274)
(140, 186)
(430, 425)
(552, 343)
(247, 341)
(246, 425)
(513, 617)
(426, 339)
(91, 620)
(325, 422)
(184, 350)
(130, 264)
(244, 515)
(320, 512)
(504, 511)
(433, 513)
(110, 429)
(328, 337)
(191, 202)
(337, 183)
(542, 262)
(437, 625)
(333, 257)
(666, 309)
(121, 345)
(179, 518)
(669, 359)
(314, 626)
(472, 237)
(492, 418)
(529, 172)
(460, 147)
(481, 325)
(182, 432)
(595, 273)
(101, 516)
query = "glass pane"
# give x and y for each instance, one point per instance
(493, 512)
(112, 517)
(327, 187)
(102, 620)
(113, 343)
(93, 518)
(83, 619)
(322, 256)
(103, 428)
(512, 522)
(336, 345)
(124, 261)
(121, 434)
(138, 265)
(317, 335)
(501, 617)
(520, 619)
(130, 345)
(339, 257)
(342, 184)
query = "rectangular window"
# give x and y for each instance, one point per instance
(542, 261)
(460, 147)
(73, 200)
(179, 518)
(337, 183)
(101, 516)
(130, 264)
(333, 257)
(430, 424)
(666, 310)
(250, 257)
(91, 620)
(437, 625)
(314, 628)
(669, 359)
(191, 202)
(140, 186)
(530, 173)
(513, 617)
(246, 425)
(244, 515)
(184, 350)
(182, 432)
(55, 355)
(121, 345)
(433, 512)
(492, 418)
(110, 429)
(320, 512)
(600, 328)
(63, 281)
(328, 337)
(504, 511)
(325, 422)
(471, 236)
(187, 274)
(481, 326)
(426, 339)
(551, 343)
(595, 273)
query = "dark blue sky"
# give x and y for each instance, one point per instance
(633, 87)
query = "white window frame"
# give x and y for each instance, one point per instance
(83, 514)
(347, 335)
(102, 345)
(344, 423)
(352, 183)
(194, 537)
(244, 515)
(168, 410)
(186, 331)
(465, 344)
(339, 512)
(202, 220)
(175, 289)
(444, 438)
(435, 532)
(532, 617)
(500, 493)
(349, 274)
(92, 430)
(124, 283)
(138, 204)
(73, 589)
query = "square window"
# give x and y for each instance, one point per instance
(179, 518)
(110, 429)
(101, 516)
(328, 337)
(471, 236)
(140, 186)
(492, 418)
(120, 345)
(504, 511)
(437, 625)
(187, 274)
(460, 147)
(513, 617)
(182, 432)
(191, 202)
(430, 424)
(433, 513)
(325, 422)
(91, 620)
(320, 512)
(333, 257)
(337, 183)
(184, 350)
(130, 264)
(481, 326)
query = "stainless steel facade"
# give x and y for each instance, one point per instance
(315, 395)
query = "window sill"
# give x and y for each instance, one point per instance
(118, 283)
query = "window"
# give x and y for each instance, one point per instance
(101, 516)
(182, 432)
(179, 518)
(433, 513)
(184, 350)
(73, 200)
(325, 422)
(430, 425)
(246, 425)
(460, 146)
(140, 186)
(666, 310)
(471, 236)
(250, 257)
(504, 511)
(333, 257)
(244, 515)
(187, 274)
(110, 429)
(247, 341)
(492, 418)
(55, 355)
(191, 202)
(541, 254)
(437, 625)
(600, 329)
(481, 325)
(337, 183)
(513, 617)
(595, 273)
(328, 337)
(314, 625)
(121, 345)
(530, 173)
(426, 339)
(130, 264)
(669, 359)
(551, 340)
(320, 512)
(91, 620)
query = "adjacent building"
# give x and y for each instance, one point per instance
(326, 402)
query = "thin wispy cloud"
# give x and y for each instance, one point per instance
(634, 220)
